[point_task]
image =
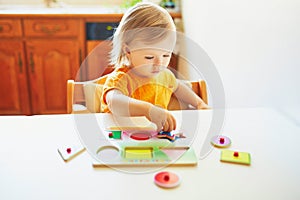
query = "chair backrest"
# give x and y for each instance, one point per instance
(91, 92)
(88, 93)
(70, 94)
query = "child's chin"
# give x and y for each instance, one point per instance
(153, 74)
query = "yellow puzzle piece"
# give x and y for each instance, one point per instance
(235, 157)
(138, 152)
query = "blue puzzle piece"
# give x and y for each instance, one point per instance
(167, 135)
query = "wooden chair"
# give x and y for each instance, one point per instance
(84, 97)
(88, 94)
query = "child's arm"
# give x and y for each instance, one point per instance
(122, 105)
(186, 94)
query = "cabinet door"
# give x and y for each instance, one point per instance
(50, 64)
(13, 79)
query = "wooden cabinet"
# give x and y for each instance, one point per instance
(53, 54)
(13, 78)
(50, 64)
(37, 64)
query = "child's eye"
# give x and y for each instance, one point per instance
(149, 57)
(166, 55)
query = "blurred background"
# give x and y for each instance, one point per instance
(255, 46)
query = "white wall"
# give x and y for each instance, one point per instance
(255, 46)
(69, 2)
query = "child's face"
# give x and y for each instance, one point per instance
(150, 60)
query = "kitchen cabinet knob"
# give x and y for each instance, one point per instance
(20, 63)
(31, 62)
(48, 31)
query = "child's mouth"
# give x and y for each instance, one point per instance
(155, 72)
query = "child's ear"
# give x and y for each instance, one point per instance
(126, 49)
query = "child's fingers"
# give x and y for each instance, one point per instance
(159, 126)
(174, 122)
(170, 124)
(166, 126)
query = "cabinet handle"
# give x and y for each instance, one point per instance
(80, 61)
(31, 62)
(50, 31)
(80, 56)
(20, 63)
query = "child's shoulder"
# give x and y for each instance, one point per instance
(118, 72)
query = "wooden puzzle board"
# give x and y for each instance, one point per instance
(153, 151)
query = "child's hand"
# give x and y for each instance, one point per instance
(163, 119)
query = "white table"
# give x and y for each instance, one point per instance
(31, 168)
(291, 112)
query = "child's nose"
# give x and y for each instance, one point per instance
(157, 61)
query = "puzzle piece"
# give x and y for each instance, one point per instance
(235, 157)
(138, 152)
(115, 134)
(166, 179)
(220, 141)
(167, 135)
(69, 152)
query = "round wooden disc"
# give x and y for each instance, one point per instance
(167, 179)
(220, 141)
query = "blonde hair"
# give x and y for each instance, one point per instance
(145, 22)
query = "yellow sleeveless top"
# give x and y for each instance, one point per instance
(156, 90)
